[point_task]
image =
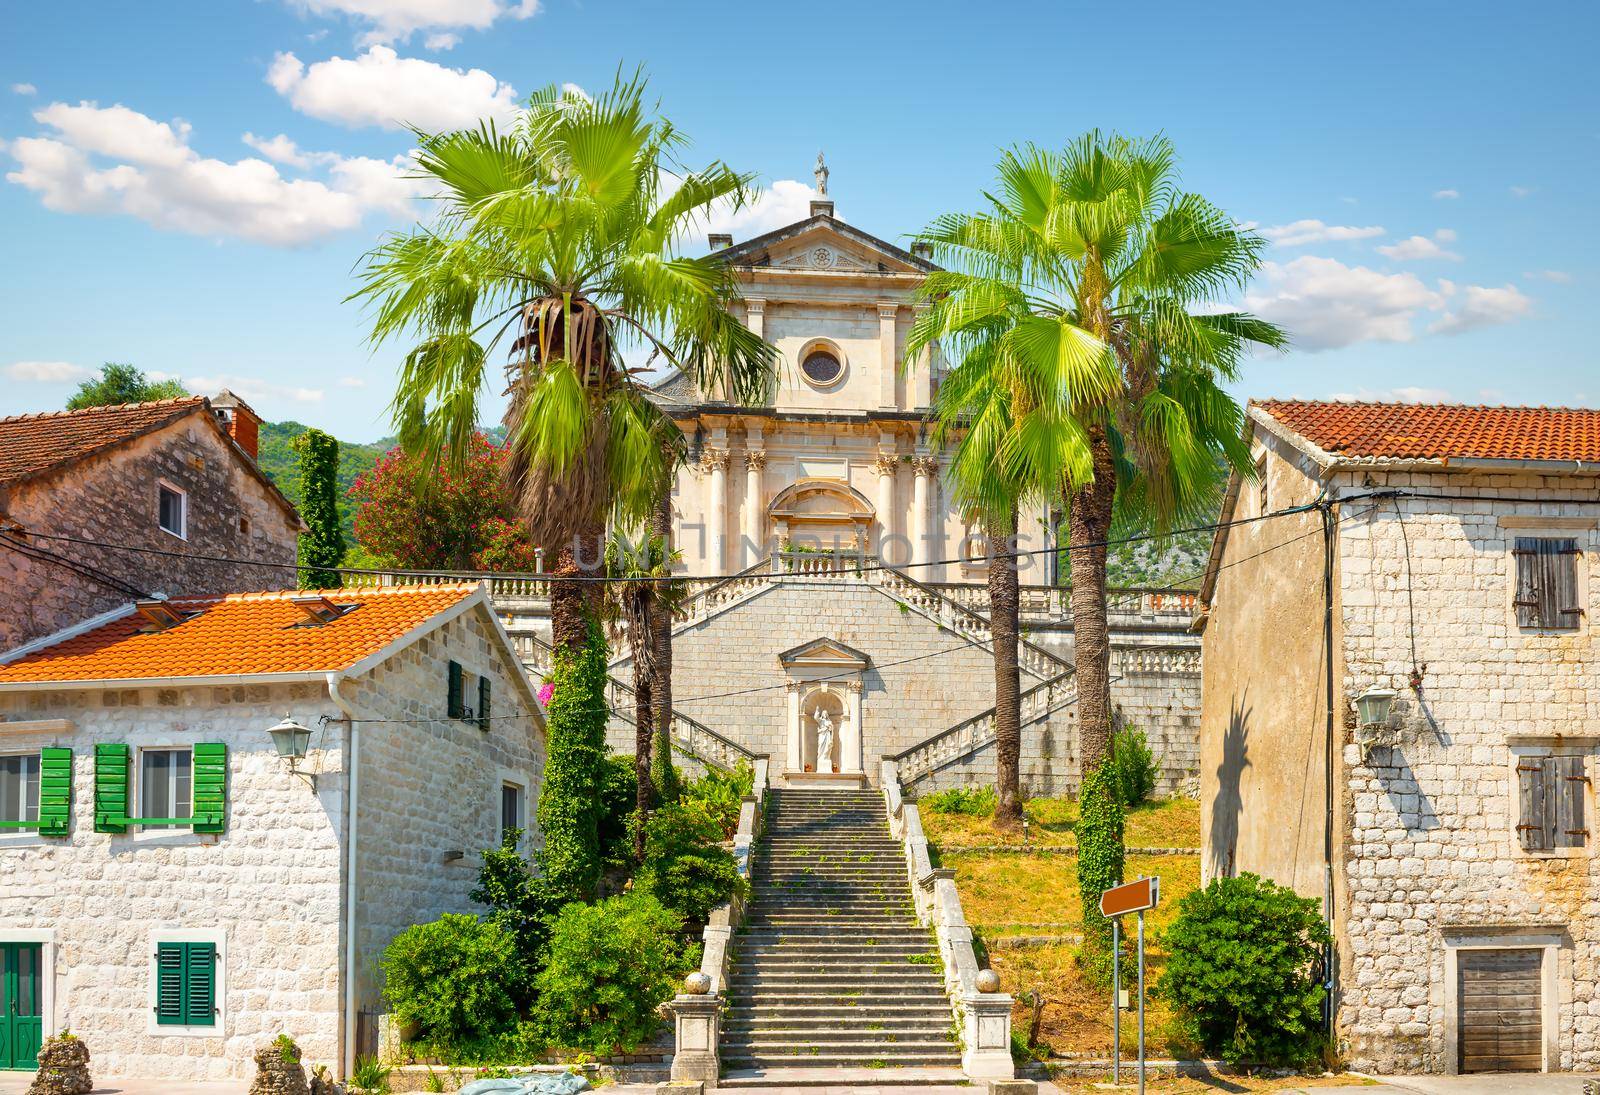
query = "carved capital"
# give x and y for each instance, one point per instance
(755, 460)
(855, 687)
(713, 459)
(888, 309)
(887, 463)
(795, 687)
(755, 305)
(926, 465)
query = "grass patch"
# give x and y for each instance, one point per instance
(1000, 889)
(1168, 823)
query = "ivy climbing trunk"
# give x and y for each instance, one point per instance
(1100, 862)
(664, 775)
(641, 601)
(321, 546)
(1003, 629)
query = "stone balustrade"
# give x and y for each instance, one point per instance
(970, 735)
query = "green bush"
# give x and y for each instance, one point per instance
(618, 795)
(522, 904)
(1240, 971)
(972, 801)
(610, 966)
(455, 976)
(722, 794)
(1133, 767)
(684, 866)
(1100, 861)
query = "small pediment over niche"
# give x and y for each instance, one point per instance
(826, 653)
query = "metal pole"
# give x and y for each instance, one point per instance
(1116, 1000)
(1141, 1002)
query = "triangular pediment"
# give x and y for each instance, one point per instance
(824, 652)
(824, 243)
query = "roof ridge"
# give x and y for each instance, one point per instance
(39, 416)
(1404, 404)
(338, 591)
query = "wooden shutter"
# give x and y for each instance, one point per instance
(455, 705)
(210, 787)
(1547, 582)
(483, 703)
(1531, 831)
(170, 961)
(111, 787)
(1570, 789)
(55, 792)
(200, 984)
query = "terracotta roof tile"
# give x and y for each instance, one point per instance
(32, 443)
(242, 633)
(1424, 431)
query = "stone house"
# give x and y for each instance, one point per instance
(174, 890)
(168, 482)
(1442, 808)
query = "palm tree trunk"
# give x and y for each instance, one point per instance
(575, 605)
(1003, 628)
(1089, 527)
(660, 531)
(643, 742)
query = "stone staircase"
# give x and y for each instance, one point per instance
(831, 969)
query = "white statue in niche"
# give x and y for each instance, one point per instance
(824, 741)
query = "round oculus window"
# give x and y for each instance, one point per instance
(821, 367)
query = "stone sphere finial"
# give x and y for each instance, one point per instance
(697, 984)
(988, 981)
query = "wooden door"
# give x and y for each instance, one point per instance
(1499, 1002)
(22, 1019)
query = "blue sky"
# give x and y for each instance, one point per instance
(189, 184)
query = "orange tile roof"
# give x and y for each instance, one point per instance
(239, 634)
(1431, 431)
(34, 443)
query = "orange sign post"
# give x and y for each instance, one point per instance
(1115, 903)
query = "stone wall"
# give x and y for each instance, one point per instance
(270, 885)
(112, 498)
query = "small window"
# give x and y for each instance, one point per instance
(1547, 583)
(173, 511)
(166, 787)
(455, 704)
(19, 788)
(1550, 795)
(821, 367)
(510, 809)
(244, 526)
(1262, 501)
(186, 984)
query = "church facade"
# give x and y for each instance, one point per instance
(839, 460)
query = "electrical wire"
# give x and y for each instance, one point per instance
(82, 569)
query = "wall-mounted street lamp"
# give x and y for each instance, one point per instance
(292, 742)
(1373, 708)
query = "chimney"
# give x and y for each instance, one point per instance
(922, 250)
(720, 241)
(822, 207)
(242, 423)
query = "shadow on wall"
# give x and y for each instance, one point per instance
(1223, 840)
(1406, 797)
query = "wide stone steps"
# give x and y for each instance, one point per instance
(823, 978)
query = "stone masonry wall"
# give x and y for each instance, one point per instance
(112, 498)
(1431, 856)
(270, 884)
(430, 785)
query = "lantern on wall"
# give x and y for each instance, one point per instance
(1374, 706)
(292, 741)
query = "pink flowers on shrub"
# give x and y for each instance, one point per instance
(546, 690)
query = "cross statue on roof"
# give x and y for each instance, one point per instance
(821, 173)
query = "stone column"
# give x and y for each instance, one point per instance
(695, 1021)
(715, 462)
(755, 515)
(755, 315)
(885, 465)
(850, 740)
(796, 731)
(887, 311)
(919, 375)
(925, 467)
(986, 1054)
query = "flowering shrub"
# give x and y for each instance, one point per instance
(546, 690)
(444, 519)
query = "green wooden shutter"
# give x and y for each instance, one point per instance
(55, 792)
(111, 787)
(210, 787)
(170, 963)
(455, 705)
(200, 984)
(483, 703)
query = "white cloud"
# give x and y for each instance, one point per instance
(1395, 395)
(1521, 191)
(1484, 306)
(441, 41)
(24, 89)
(397, 20)
(279, 149)
(1298, 233)
(1415, 248)
(784, 202)
(383, 89)
(352, 382)
(1446, 194)
(47, 372)
(252, 388)
(1560, 277)
(1324, 304)
(116, 160)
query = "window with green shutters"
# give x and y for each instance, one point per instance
(55, 791)
(196, 798)
(186, 984)
(455, 700)
(36, 791)
(483, 703)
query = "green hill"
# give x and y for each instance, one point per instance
(277, 459)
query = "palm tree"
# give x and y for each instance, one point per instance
(553, 250)
(1085, 292)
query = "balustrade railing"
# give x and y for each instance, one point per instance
(968, 736)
